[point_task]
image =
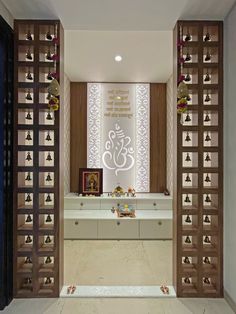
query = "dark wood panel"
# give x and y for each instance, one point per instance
(157, 137)
(78, 134)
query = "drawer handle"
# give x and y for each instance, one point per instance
(154, 204)
(118, 223)
(159, 223)
(76, 223)
(81, 204)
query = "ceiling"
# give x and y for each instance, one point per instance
(96, 30)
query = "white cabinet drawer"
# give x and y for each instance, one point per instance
(82, 204)
(154, 204)
(80, 229)
(118, 229)
(156, 229)
(108, 204)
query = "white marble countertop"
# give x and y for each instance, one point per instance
(139, 196)
(107, 214)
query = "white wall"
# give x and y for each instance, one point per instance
(230, 156)
(6, 14)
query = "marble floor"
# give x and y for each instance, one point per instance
(99, 262)
(109, 262)
(118, 306)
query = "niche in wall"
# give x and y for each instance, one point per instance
(135, 116)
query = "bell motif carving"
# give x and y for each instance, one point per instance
(28, 157)
(28, 219)
(186, 260)
(48, 240)
(28, 239)
(188, 240)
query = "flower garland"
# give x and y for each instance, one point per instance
(182, 89)
(54, 87)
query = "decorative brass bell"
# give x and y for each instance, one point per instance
(187, 240)
(207, 98)
(208, 56)
(48, 239)
(206, 260)
(207, 220)
(207, 199)
(182, 90)
(48, 281)
(188, 179)
(28, 116)
(29, 76)
(28, 260)
(48, 55)
(48, 178)
(206, 281)
(48, 36)
(207, 138)
(48, 219)
(28, 219)
(48, 260)
(208, 158)
(188, 219)
(186, 260)
(188, 37)
(48, 199)
(28, 157)
(29, 55)
(28, 239)
(54, 88)
(188, 98)
(207, 77)
(28, 198)
(207, 179)
(188, 57)
(187, 118)
(28, 177)
(207, 239)
(49, 157)
(187, 280)
(28, 137)
(49, 116)
(29, 35)
(28, 281)
(207, 37)
(187, 199)
(187, 77)
(28, 96)
(49, 76)
(207, 118)
(187, 138)
(187, 157)
(48, 137)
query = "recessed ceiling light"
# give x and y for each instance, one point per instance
(118, 58)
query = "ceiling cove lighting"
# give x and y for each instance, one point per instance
(118, 58)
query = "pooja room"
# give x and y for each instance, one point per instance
(117, 206)
(118, 169)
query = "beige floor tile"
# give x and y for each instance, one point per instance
(118, 306)
(118, 262)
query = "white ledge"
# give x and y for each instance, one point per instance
(107, 214)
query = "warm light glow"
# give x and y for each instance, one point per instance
(118, 58)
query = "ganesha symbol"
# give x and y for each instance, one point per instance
(118, 151)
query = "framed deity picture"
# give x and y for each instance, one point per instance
(90, 181)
